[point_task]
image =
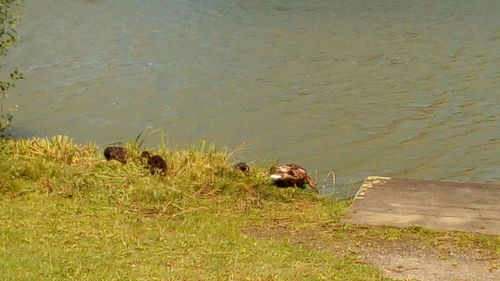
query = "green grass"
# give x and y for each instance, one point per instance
(54, 240)
(67, 214)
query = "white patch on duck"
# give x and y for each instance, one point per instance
(275, 177)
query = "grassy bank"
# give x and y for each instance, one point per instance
(67, 214)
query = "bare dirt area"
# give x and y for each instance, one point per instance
(408, 260)
(400, 256)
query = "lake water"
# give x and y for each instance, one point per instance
(368, 87)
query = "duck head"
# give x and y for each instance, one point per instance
(242, 166)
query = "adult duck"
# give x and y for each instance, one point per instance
(292, 175)
(116, 153)
(155, 162)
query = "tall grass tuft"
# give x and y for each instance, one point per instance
(59, 166)
(60, 149)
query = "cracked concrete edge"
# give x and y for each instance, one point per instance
(368, 183)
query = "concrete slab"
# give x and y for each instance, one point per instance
(464, 206)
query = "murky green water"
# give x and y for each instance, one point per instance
(368, 87)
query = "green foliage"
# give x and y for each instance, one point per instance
(7, 24)
(8, 37)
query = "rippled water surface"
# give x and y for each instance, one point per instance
(368, 87)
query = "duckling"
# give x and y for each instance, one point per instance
(292, 175)
(155, 162)
(116, 153)
(243, 167)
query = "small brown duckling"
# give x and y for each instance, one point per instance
(292, 175)
(116, 153)
(243, 167)
(155, 162)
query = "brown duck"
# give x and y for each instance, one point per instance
(242, 166)
(292, 175)
(155, 162)
(116, 153)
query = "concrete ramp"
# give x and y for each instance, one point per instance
(463, 206)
